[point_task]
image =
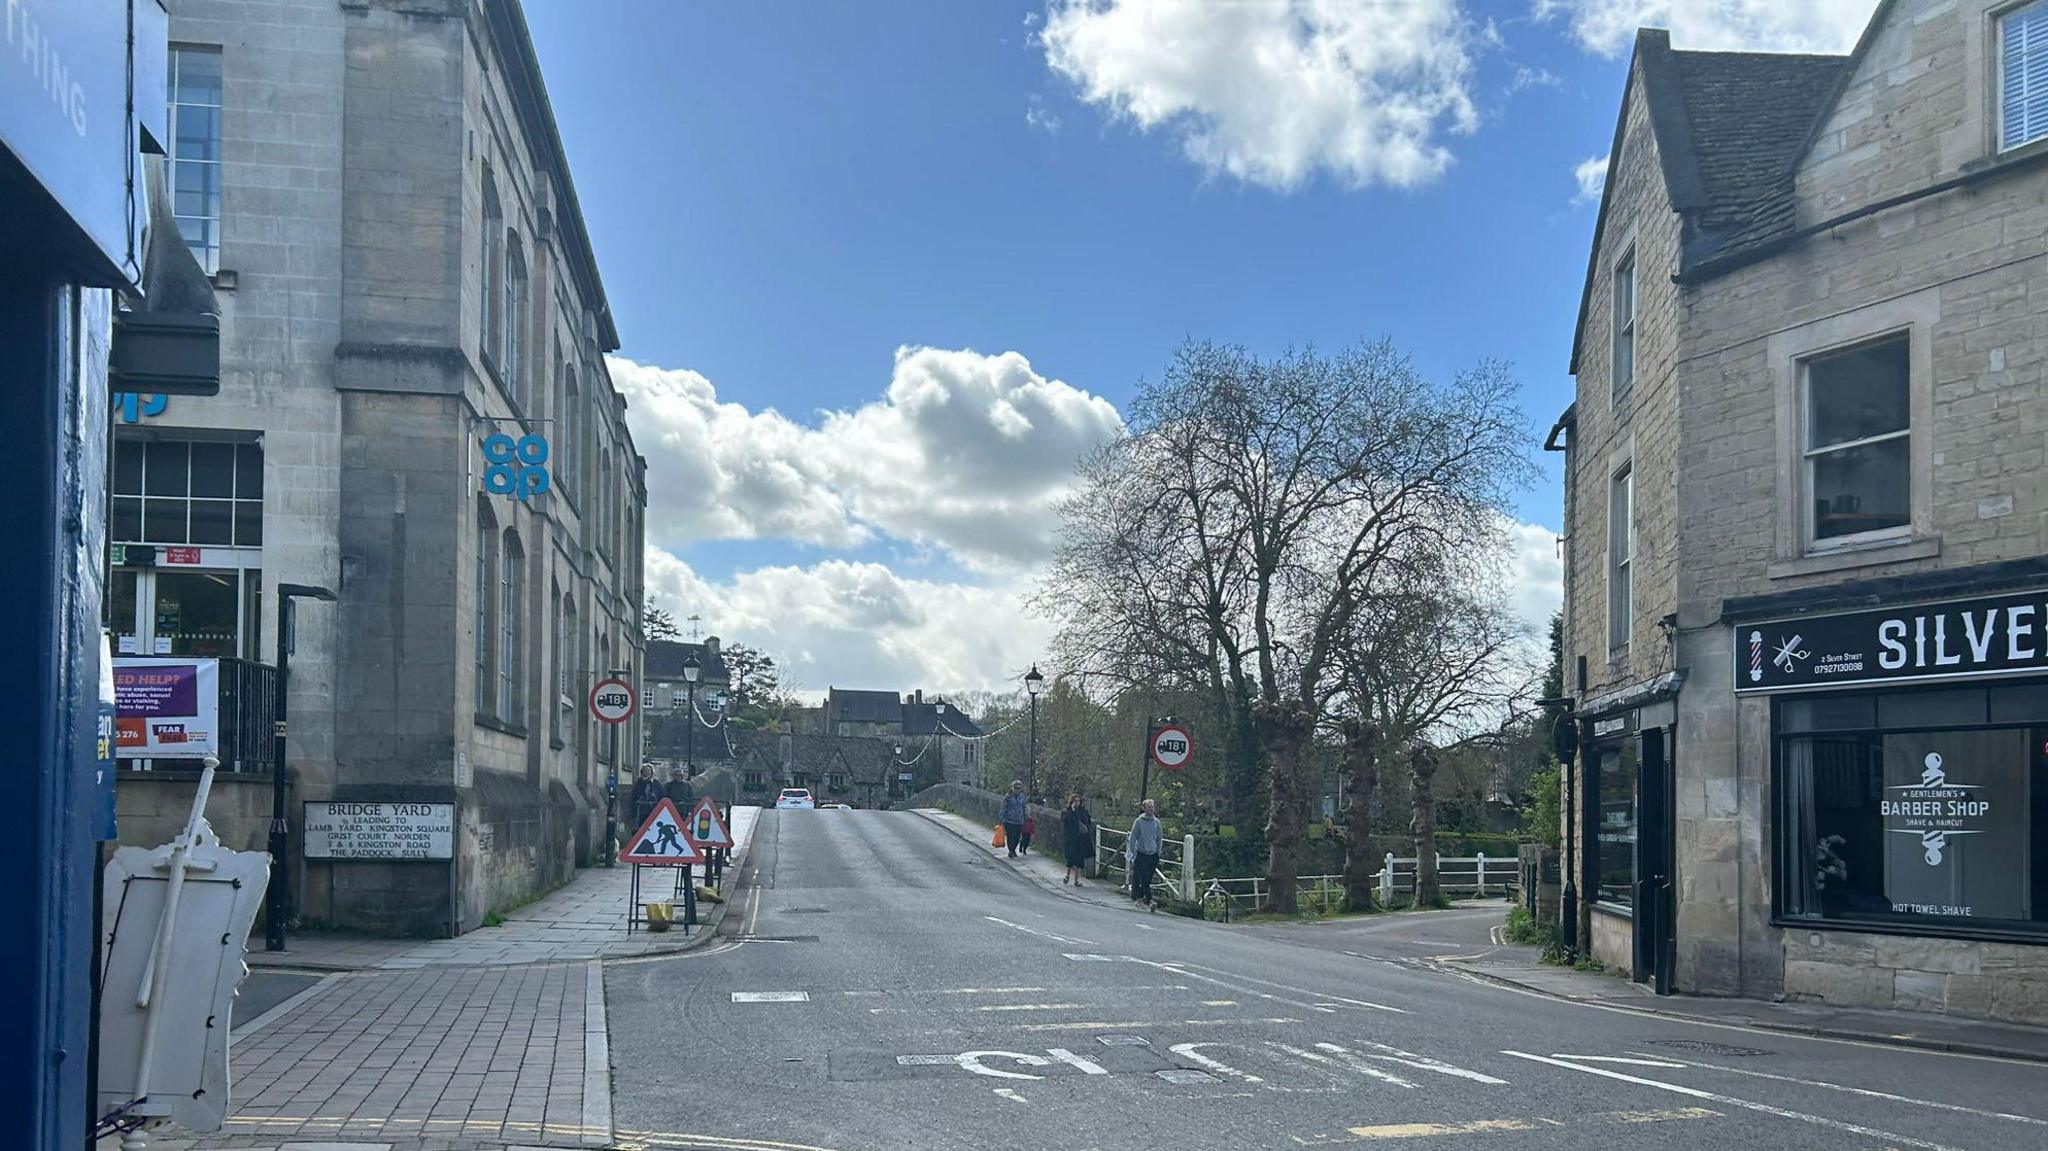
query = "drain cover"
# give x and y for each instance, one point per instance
(1705, 1048)
(1186, 1075)
(1123, 1041)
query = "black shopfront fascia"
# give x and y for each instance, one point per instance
(1905, 736)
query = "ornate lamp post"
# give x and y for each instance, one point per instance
(691, 670)
(1033, 684)
(280, 829)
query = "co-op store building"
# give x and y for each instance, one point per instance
(1806, 621)
(382, 200)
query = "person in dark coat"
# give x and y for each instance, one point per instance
(646, 793)
(1077, 836)
(680, 791)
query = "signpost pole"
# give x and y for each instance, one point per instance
(280, 835)
(1145, 761)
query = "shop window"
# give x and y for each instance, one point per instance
(2023, 75)
(1858, 441)
(1937, 827)
(195, 90)
(1615, 834)
(187, 492)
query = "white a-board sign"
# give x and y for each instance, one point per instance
(380, 830)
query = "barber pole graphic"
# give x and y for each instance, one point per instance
(1756, 656)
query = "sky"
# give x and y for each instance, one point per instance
(883, 270)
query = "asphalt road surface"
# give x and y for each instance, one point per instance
(889, 985)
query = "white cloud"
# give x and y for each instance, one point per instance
(1609, 26)
(1591, 174)
(963, 453)
(1535, 576)
(1038, 116)
(863, 625)
(1274, 91)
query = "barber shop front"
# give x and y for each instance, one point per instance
(1907, 819)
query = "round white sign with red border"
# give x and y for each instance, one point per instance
(612, 701)
(1172, 747)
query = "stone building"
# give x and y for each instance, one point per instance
(953, 739)
(1805, 520)
(674, 735)
(380, 192)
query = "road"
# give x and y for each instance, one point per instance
(889, 985)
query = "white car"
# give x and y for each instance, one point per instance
(795, 799)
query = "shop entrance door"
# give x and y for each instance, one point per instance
(1655, 932)
(195, 612)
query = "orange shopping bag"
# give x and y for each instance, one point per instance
(997, 841)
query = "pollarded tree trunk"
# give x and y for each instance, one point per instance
(1361, 761)
(1422, 765)
(1284, 728)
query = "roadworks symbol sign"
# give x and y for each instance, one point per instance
(705, 828)
(660, 841)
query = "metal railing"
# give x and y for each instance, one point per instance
(1176, 878)
(245, 710)
(1476, 875)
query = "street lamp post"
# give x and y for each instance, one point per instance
(1034, 682)
(691, 670)
(896, 771)
(276, 898)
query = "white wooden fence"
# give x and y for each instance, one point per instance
(1456, 875)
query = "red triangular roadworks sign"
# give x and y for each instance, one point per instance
(660, 841)
(706, 827)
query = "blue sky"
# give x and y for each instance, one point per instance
(781, 195)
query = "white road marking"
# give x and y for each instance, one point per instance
(1745, 1104)
(1097, 1025)
(976, 991)
(1026, 1007)
(1067, 1057)
(1219, 1002)
(1353, 1064)
(1616, 1059)
(771, 997)
(1192, 1052)
(1411, 1059)
(1008, 1093)
(1181, 969)
(972, 1061)
(1863, 1091)
(1037, 932)
(1091, 958)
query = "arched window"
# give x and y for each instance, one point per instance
(571, 412)
(604, 664)
(578, 684)
(494, 235)
(515, 322)
(558, 650)
(604, 501)
(511, 701)
(486, 585)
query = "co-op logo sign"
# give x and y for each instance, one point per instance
(1992, 635)
(1934, 809)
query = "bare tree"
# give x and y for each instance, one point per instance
(1361, 765)
(1256, 508)
(1422, 765)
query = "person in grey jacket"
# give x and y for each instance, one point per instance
(1145, 841)
(1015, 811)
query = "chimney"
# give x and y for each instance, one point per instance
(920, 695)
(711, 645)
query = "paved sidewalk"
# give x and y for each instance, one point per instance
(492, 1040)
(1043, 870)
(1520, 967)
(583, 919)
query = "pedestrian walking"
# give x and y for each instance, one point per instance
(1030, 829)
(1016, 809)
(679, 790)
(1077, 837)
(646, 793)
(1145, 841)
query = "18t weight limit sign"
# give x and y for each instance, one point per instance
(611, 701)
(1172, 747)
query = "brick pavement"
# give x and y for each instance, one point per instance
(491, 1040)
